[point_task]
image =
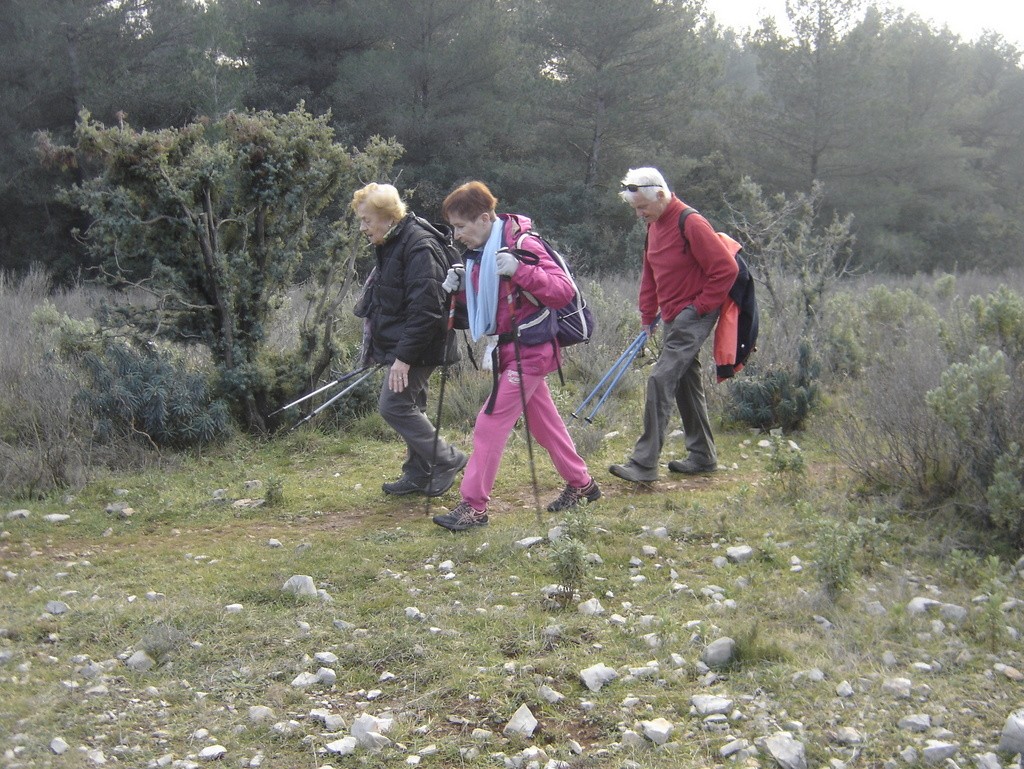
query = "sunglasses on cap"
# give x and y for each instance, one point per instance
(636, 187)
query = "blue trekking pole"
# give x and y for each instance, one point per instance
(612, 385)
(618, 369)
(630, 352)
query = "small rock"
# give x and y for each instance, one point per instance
(528, 542)
(658, 730)
(719, 652)
(707, 704)
(917, 722)
(921, 605)
(899, 687)
(303, 680)
(300, 584)
(734, 747)
(875, 609)
(522, 722)
(787, 752)
(56, 518)
(953, 613)
(740, 553)
(213, 753)
(847, 735)
(590, 608)
(346, 746)
(140, 662)
(597, 676)
(549, 695)
(1012, 739)
(260, 713)
(936, 752)
(57, 608)
(1010, 672)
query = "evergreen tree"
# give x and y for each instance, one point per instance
(618, 74)
(212, 219)
(153, 62)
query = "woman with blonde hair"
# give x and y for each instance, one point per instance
(407, 317)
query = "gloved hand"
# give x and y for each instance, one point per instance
(453, 280)
(506, 263)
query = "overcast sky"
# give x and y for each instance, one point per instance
(967, 19)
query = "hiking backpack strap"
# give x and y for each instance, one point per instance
(682, 220)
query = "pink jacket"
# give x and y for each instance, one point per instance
(544, 280)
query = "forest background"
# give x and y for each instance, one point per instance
(916, 133)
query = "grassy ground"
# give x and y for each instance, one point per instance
(452, 633)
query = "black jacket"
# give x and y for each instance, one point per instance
(405, 304)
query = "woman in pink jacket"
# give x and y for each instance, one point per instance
(493, 274)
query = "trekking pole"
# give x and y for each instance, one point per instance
(373, 370)
(328, 386)
(614, 383)
(522, 398)
(611, 371)
(440, 399)
(639, 343)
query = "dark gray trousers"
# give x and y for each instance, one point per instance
(406, 413)
(676, 379)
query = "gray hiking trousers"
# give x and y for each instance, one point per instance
(676, 379)
(405, 412)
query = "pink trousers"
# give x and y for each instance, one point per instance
(492, 431)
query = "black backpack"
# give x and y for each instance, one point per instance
(742, 293)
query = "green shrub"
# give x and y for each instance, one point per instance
(274, 495)
(1005, 495)
(786, 467)
(861, 327)
(569, 558)
(999, 320)
(777, 399)
(972, 399)
(835, 546)
(142, 393)
(45, 436)
(995, 320)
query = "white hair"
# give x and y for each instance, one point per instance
(649, 181)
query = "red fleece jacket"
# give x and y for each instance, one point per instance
(677, 273)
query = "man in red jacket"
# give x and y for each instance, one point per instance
(686, 280)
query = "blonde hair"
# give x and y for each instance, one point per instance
(382, 198)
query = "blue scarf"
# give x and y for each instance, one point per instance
(482, 299)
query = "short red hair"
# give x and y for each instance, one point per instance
(469, 201)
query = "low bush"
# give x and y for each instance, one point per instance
(143, 393)
(779, 398)
(45, 440)
(936, 416)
